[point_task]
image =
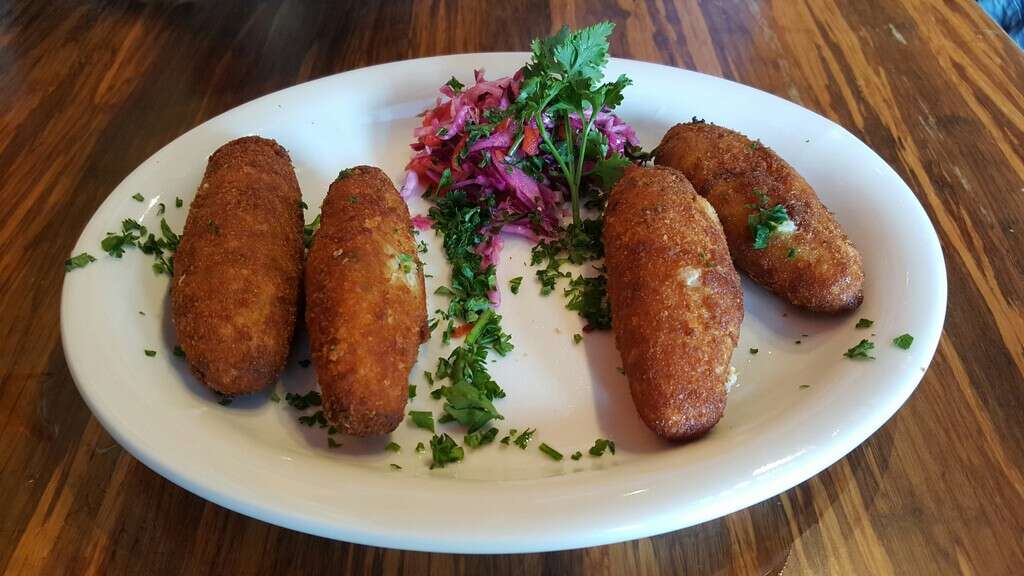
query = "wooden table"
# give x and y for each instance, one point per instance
(88, 90)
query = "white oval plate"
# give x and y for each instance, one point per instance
(797, 408)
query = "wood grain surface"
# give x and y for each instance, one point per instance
(91, 88)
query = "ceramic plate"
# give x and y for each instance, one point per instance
(798, 405)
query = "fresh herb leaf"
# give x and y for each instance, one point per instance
(524, 437)
(392, 447)
(303, 401)
(345, 174)
(420, 448)
(412, 391)
(766, 221)
(577, 338)
(309, 230)
(80, 261)
(178, 351)
(588, 296)
(577, 455)
(479, 438)
(791, 254)
(274, 397)
(865, 323)
(150, 353)
(225, 401)
(178, 202)
(332, 443)
(753, 350)
(554, 454)
(445, 451)
(514, 284)
(395, 466)
(600, 445)
(903, 341)
(422, 419)
(860, 351)
(455, 85)
(138, 197)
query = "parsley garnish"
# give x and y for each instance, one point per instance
(554, 454)
(135, 234)
(766, 221)
(478, 438)
(178, 203)
(577, 455)
(315, 419)
(577, 338)
(303, 401)
(514, 284)
(225, 401)
(420, 448)
(860, 351)
(138, 197)
(309, 230)
(80, 261)
(865, 323)
(150, 353)
(524, 437)
(455, 85)
(412, 391)
(600, 445)
(274, 397)
(753, 350)
(345, 174)
(791, 255)
(332, 443)
(422, 419)
(904, 341)
(588, 296)
(392, 447)
(395, 466)
(445, 451)
(178, 351)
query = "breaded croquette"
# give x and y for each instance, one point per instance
(365, 303)
(675, 298)
(238, 268)
(801, 254)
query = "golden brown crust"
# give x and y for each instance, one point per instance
(676, 300)
(238, 268)
(365, 303)
(825, 272)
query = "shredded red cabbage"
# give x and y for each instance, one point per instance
(470, 141)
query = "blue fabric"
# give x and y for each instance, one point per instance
(1010, 16)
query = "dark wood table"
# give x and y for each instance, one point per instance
(89, 89)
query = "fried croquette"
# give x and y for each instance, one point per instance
(675, 298)
(365, 303)
(808, 261)
(238, 268)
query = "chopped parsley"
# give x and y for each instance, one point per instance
(353, 199)
(554, 454)
(150, 353)
(445, 451)
(514, 284)
(577, 455)
(395, 466)
(600, 445)
(412, 391)
(134, 234)
(470, 392)
(524, 437)
(392, 447)
(455, 85)
(303, 401)
(508, 437)
(422, 419)
(754, 350)
(160, 209)
(765, 220)
(860, 351)
(791, 254)
(80, 261)
(225, 401)
(420, 448)
(178, 351)
(274, 397)
(588, 296)
(309, 230)
(332, 443)
(315, 419)
(345, 174)
(479, 438)
(138, 197)
(865, 323)
(178, 202)
(577, 338)
(903, 341)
